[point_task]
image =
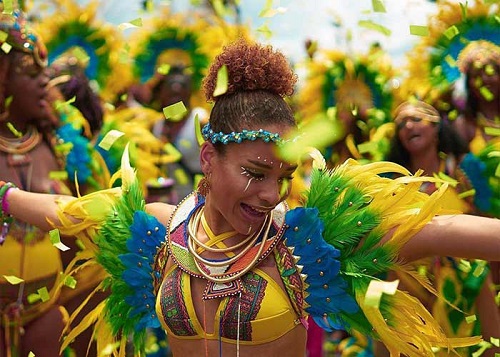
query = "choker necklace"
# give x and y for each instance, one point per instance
(252, 239)
(193, 240)
(215, 240)
(22, 145)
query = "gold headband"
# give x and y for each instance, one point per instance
(416, 108)
(481, 51)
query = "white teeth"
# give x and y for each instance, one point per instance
(258, 210)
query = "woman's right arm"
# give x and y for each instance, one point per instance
(35, 208)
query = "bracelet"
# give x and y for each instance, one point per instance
(4, 190)
(5, 218)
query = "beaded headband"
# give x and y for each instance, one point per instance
(18, 33)
(238, 137)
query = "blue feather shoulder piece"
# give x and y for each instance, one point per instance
(342, 247)
(126, 241)
(128, 244)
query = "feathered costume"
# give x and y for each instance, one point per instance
(147, 152)
(357, 84)
(83, 164)
(98, 47)
(455, 25)
(336, 238)
(436, 69)
(175, 39)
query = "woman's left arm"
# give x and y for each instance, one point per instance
(461, 236)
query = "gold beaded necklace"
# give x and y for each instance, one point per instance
(22, 145)
(194, 243)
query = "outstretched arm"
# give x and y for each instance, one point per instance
(35, 208)
(461, 236)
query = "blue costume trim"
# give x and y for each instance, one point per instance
(78, 158)
(148, 234)
(474, 168)
(328, 296)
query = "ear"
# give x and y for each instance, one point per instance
(208, 154)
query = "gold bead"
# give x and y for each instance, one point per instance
(328, 300)
(350, 204)
(359, 223)
(318, 260)
(375, 260)
(149, 233)
(308, 241)
(295, 229)
(325, 286)
(321, 273)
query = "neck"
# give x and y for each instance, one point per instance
(427, 160)
(12, 132)
(215, 220)
(489, 109)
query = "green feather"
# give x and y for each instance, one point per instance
(351, 225)
(112, 241)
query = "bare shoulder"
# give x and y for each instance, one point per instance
(162, 211)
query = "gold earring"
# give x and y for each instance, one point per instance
(204, 185)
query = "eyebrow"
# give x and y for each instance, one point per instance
(266, 166)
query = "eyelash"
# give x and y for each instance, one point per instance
(255, 175)
(260, 177)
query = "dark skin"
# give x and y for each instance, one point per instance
(25, 76)
(481, 76)
(26, 84)
(173, 88)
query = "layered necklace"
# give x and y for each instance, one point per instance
(195, 247)
(485, 122)
(23, 144)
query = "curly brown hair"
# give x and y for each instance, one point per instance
(259, 78)
(251, 66)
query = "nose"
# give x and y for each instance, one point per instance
(408, 124)
(269, 195)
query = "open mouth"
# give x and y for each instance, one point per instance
(254, 212)
(414, 137)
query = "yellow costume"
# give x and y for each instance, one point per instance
(263, 308)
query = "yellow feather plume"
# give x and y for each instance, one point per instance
(416, 331)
